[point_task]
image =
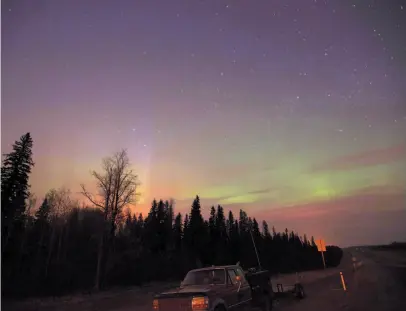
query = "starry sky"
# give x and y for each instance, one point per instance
(292, 110)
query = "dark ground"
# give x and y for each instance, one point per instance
(378, 284)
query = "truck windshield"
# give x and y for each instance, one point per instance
(205, 277)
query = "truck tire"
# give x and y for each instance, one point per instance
(268, 303)
(300, 293)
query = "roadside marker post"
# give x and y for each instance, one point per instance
(342, 281)
(324, 262)
(354, 263)
(321, 247)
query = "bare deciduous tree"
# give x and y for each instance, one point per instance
(116, 188)
(61, 205)
(30, 203)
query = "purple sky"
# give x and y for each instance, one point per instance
(292, 110)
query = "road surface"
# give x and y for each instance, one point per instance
(379, 284)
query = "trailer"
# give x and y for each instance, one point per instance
(289, 290)
(282, 290)
(261, 279)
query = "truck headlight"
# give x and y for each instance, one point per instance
(200, 303)
(155, 304)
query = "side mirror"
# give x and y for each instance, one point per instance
(181, 284)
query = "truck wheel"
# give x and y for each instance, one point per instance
(300, 294)
(220, 308)
(267, 305)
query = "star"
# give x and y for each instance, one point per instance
(290, 77)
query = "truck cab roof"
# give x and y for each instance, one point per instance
(216, 267)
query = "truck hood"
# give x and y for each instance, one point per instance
(186, 291)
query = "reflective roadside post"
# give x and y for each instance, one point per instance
(354, 263)
(321, 247)
(343, 282)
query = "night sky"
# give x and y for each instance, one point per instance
(292, 110)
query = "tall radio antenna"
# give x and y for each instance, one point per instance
(255, 248)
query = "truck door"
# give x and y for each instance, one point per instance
(232, 295)
(244, 295)
(241, 297)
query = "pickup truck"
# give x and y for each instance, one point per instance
(218, 288)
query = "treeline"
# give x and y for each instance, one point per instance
(391, 246)
(64, 247)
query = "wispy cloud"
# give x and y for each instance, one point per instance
(233, 201)
(371, 215)
(261, 191)
(363, 159)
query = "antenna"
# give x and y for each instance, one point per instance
(255, 248)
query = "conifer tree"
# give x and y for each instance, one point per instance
(265, 230)
(15, 190)
(197, 231)
(178, 232)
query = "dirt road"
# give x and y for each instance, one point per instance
(379, 284)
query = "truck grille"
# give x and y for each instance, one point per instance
(175, 304)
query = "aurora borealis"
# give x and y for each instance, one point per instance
(294, 111)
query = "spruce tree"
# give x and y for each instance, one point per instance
(185, 234)
(15, 171)
(196, 231)
(212, 223)
(177, 232)
(196, 219)
(42, 214)
(221, 222)
(265, 230)
(230, 222)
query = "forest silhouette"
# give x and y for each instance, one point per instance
(64, 246)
